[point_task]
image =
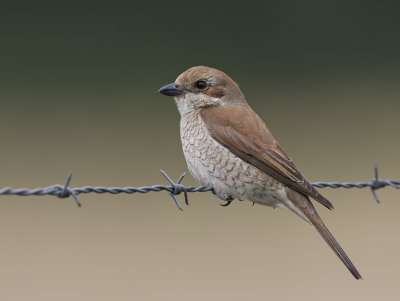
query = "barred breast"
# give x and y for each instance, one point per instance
(211, 164)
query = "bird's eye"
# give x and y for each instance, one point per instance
(201, 84)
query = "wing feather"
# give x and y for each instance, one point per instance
(241, 130)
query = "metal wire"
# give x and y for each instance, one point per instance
(64, 191)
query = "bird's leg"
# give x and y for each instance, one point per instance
(228, 200)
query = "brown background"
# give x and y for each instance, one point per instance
(78, 92)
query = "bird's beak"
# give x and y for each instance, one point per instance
(172, 90)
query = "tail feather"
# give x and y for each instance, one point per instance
(303, 203)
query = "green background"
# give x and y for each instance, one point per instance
(78, 83)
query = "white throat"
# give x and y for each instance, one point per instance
(189, 102)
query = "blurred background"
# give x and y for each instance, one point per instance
(78, 83)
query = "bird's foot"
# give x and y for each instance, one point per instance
(228, 200)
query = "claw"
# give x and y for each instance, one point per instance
(228, 202)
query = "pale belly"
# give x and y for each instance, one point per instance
(213, 165)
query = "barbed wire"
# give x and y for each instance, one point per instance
(176, 188)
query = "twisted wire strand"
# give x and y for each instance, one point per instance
(175, 188)
(380, 182)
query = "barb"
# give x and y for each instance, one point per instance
(174, 189)
(375, 184)
(66, 192)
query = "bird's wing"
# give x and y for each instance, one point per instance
(241, 130)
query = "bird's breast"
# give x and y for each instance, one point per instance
(211, 164)
(198, 148)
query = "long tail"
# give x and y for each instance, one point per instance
(303, 204)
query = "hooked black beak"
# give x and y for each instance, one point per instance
(171, 90)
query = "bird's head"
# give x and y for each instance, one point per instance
(200, 87)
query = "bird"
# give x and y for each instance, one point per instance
(228, 147)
